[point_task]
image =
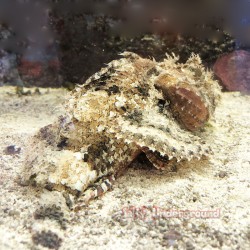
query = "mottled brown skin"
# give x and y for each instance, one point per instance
(133, 105)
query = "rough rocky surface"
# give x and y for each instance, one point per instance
(34, 218)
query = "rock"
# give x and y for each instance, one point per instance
(8, 71)
(223, 174)
(233, 71)
(12, 150)
(40, 73)
(47, 239)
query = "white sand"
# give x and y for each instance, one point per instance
(28, 219)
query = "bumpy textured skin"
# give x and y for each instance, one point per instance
(124, 109)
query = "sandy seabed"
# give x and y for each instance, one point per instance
(196, 205)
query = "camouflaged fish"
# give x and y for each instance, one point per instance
(133, 105)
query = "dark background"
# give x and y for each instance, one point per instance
(54, 43)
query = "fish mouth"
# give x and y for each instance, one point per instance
(156, 158)
(163, 158)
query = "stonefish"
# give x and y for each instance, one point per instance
(132, 105)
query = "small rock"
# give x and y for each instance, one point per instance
(189, 246)
(14, 213)
(51, 213)
(47, 239)
(100, 205)
(194, 199)
(162, 223)
(223, 174)
(123, 222)
(12, 150)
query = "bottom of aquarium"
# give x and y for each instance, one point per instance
(193, 205)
